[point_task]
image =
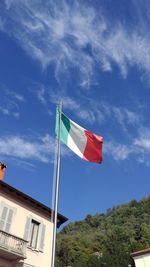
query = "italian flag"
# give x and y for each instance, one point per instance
(85, 144)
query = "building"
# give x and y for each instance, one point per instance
(141, 258)
(25, 229)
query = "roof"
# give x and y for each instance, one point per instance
(141, 252)
(16, 194)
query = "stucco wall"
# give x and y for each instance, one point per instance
(5, 263)
(34, 258)
(142, 261)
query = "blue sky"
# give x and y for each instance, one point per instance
(95, 57)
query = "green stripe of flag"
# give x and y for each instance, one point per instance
(65, 127)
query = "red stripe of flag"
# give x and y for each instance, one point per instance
(93, 149)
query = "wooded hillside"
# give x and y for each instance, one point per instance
(106, 239)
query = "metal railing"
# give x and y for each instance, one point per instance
(13, 244)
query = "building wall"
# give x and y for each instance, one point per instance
(5, 263)
(142, 261)
(21, 213)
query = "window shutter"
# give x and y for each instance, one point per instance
(27, 229)
(6, 218)
(41, 237)
(3, 217)
(9, 220)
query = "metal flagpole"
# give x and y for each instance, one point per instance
(56, 187)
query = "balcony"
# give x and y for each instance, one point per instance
(12, 247)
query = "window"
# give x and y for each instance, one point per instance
(34, 233)
(6, 216)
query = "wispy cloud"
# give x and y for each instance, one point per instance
(125, 116)
(75, 36)
(72, 37)
(42, 149)
(10, 101)
(28, 149)
(16, 146)
(117, 151)
(119, 115)
(100, 112)
(9, 111)
(18, 97)
(137, 149)
(5, 111)
(41, 95)
(143, 139)
(80, 110)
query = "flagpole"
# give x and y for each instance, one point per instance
(56, 186)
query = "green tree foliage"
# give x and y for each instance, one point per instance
(105, 240)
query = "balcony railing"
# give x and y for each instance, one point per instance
(12, 246)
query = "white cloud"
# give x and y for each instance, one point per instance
(42, 149)
(72, 35)
(80, 110)
(137, 149)
(16, 114)
(26, 149)
(8, 112)
(100, 111)
(125, 116)
(70, 103)
(5, 111)
(40, 92)
(117, 151)
(16, 146)
(10, 101)
(121, 152)
(18, 97)
(143, 143)
(143, 139)
(103, 111)
(8, 3)
(87, 115)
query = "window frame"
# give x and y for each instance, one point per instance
(28, 233)
(33, 242)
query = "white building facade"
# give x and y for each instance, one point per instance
(141, 258)
(25, 230)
